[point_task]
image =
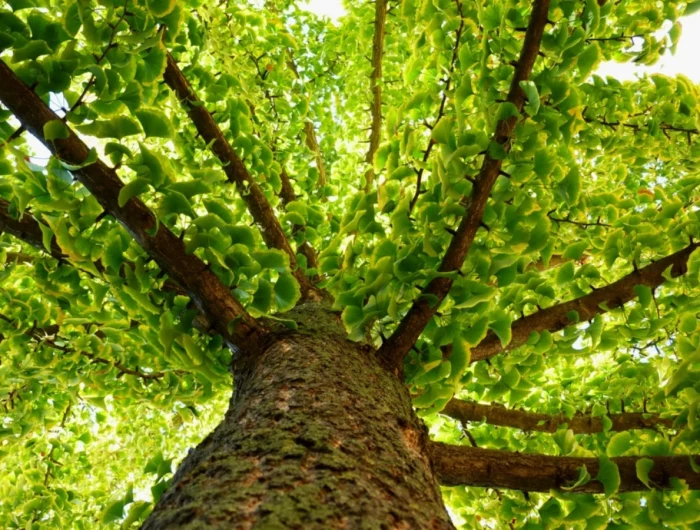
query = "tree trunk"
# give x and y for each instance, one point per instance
(317, 435)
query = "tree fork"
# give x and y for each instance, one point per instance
(236, 172)
(212, 297)
(412, 325)
(305, 446)
(489, 468)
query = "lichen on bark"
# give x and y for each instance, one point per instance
(317, 435)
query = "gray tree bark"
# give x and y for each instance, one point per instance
(317, 435)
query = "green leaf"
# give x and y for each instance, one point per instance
(353, 316)
(132, 189)
(287, 292)
(609, 476)
(32, 50)
(644, 466)
(644, 293)
(476, 333)
(154, 65)
(119, 127)
(544, 163)
(55, 130)
(533, 96)
(583, 478)
(688, 323)
(262, 300)
(175, 203)
(691, 8)
(575, 251)
(442, 131)
(161, 8)
(272, 259)
(588, 59)
(155, 123)
(501, 327)
(459, 359)
(113, 512)
(565, 273)
(619, 444)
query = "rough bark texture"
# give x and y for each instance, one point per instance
(212, 297)
(599, 301)
(412, 325)
(236, 172)
(465, 411)
(488, 468)
(318, 435)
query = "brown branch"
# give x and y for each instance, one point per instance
(393, 351)
(312, 143)
(309, 131)
(581, 224)
(465, 411)
(27, 229)
(202, 285)
(441, 111)
(488, 468)
(636, 127)
(44, 336)
(375, 81)
(236, 172)
(600, 301)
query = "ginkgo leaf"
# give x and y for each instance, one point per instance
(153, 65)
(119, 127)
(644, 466)
(155, 123)
(161, 8)
(287, 292)
(132, 189)
(55, 130)
(609, 476)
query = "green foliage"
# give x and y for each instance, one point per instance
(602, 178)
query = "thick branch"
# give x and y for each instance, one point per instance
(375, 81)
(465, 411)
(27, 229)
(601, 300)
(402, 340)
(236, 172)
(488, 468)
(211, 296)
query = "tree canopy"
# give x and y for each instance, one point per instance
(515, 234)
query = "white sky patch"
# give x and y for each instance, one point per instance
(332, 9)
(685, 61)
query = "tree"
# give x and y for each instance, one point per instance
(496, 294)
